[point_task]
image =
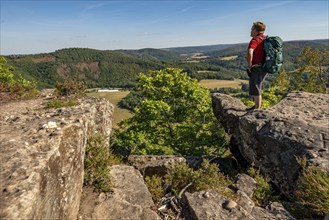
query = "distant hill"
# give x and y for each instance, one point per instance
(96, 67)
(227, 49)
(119, 68)
(291, 50)
(153, 54)
(198, 49)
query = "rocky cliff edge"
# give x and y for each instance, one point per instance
(273, 139)
(42, 154)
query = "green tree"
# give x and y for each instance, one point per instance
(313, 73)
(175, 117)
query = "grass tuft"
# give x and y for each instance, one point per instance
(58, 103)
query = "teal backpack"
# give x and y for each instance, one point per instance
(273, 54)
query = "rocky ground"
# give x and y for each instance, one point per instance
(43, 153)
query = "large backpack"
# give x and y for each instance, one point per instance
(273, 54)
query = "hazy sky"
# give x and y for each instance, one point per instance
(45, 26)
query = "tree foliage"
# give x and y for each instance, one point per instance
(174, 117)
(312, 75)
(12, 85)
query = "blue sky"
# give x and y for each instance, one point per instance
(45, 26)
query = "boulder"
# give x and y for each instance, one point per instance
(208, 204)
(205, 205)
(154, 165)
(245, 183)
(274, 138)
(42, 154)
(130, 198)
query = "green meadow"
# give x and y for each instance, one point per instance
(114, 98)
(213, 83)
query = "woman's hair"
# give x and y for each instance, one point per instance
(259, 26)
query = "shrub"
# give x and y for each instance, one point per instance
(14, 86)
(98, 159)
(6, 71)
(207, 176)
(57, 103)
(179, 177)
(70, 88)
(210, 177)
(263, 191)
(154, 185)
(312, 193)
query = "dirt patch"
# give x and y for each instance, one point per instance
(93, 67)
(63, 69)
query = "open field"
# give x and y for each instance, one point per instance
(214, 83)
(229, 58)
(114, 98)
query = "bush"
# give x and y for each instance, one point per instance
(312, 193)
(154, 185)
(263, 191)
(57, 103)
(206, 177)
(70, 88)
(98, 159)
(179, 177)
(13, 86)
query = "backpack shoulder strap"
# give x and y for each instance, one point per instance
(260, 37)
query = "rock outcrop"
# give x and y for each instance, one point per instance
(273, 139)
(130, 198)
(42, 154)
(208, 204)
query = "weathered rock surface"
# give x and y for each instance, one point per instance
(42, 153)
(208, 204)
(130, 198)
(272, 139)
(154, 165)
(245, 183)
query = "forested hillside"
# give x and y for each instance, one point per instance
(106, 68)
(97, 68)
